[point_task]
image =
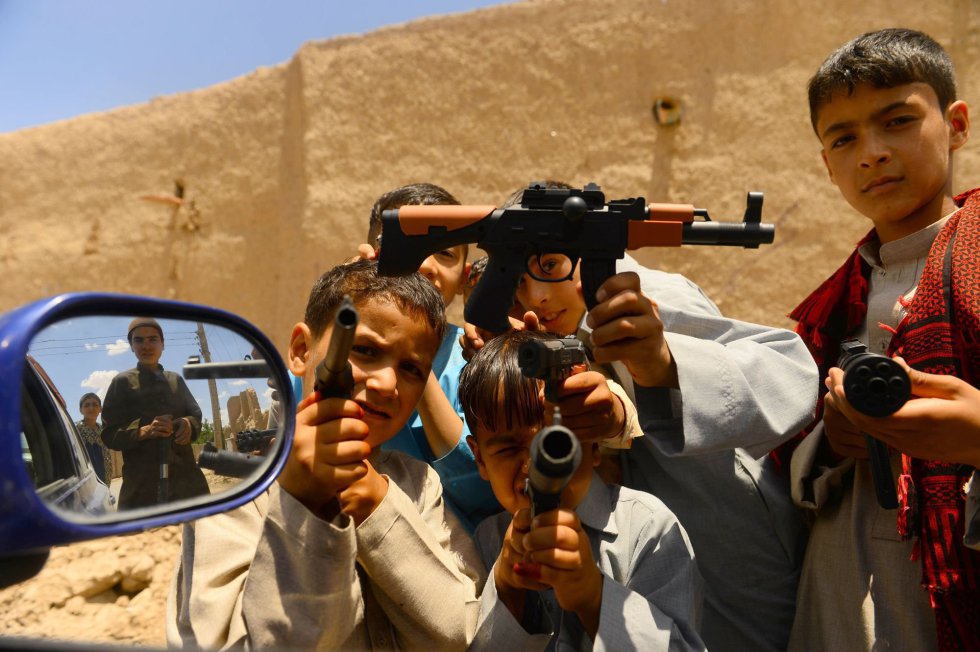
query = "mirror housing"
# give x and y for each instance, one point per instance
(27, 524)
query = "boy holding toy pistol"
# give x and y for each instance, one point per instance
(611, 567)
(353, 548)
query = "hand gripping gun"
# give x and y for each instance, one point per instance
(877, 386)
(555, 450)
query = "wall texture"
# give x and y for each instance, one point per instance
(278, 169)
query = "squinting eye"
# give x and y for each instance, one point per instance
(413, 370)
(366, 351)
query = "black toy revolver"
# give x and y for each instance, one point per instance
(578, 223)
(877, 386)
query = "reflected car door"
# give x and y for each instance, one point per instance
(54, 453)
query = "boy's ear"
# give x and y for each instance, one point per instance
(466, 277)
(480, 466)
(958, 120)
(826, 164)
(300, 349)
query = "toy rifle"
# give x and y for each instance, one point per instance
(555, 450)
(578, 223)
(877, 386)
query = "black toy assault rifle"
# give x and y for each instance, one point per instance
(578, 223)
(877, 386)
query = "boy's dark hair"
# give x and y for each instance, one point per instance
(412, 294)
(516, 197)
(476, 271)
(415, 194)
(883, 59)
(492, 384)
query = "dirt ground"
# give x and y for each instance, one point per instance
(110, 590)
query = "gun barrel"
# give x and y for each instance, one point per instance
(732, 234)
(333, 374)
(235, 465)
(197, 370)
(555, 455)
(248, 441)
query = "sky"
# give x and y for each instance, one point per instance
(83, 355)
(64, 58)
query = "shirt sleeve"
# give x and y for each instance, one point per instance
(659, 606)
(742, 385)
(813, 485)
(191, 409)
(422, 565)
(268, 575)
(972, 538)
(631, 421)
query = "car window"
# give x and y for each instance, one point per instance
(52, 455)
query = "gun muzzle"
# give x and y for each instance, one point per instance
(555, 455)
(333, 374)
(228, 463)
(874, 384)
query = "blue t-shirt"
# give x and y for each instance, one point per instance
(466, 492)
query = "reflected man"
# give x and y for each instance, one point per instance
(150, 415)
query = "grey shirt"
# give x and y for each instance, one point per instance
(651, 590)
(856, 562)
(744, 389)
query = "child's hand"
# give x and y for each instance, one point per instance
(844, 436)
(182, 431)
(328, 452)
(626, 326)
(561, 558)
(474, 337)
(361, 497)
(941, 421)
(588, 407)
(511, 586)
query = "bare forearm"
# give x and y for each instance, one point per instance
(442, 424)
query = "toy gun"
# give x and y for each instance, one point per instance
(578, 223)
(333, 375)
(551, 361)
(555, 450)
(877, 386)
(229, 463)
(555, 455)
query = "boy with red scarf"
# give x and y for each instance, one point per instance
(884, 108)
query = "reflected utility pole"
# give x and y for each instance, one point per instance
(219, 433)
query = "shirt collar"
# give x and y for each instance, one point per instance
(911, 247)
(596, 509)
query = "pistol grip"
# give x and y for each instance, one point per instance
(881, 472)
(594, 274)
(493, 296)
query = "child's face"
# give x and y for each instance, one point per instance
(447, 270)
(503, 458)
(559, 306)
(888, 150)
(91, 408)
(147, 344)
(390, 360)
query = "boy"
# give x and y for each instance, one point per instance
(436, 433)
(714, 396)
(353, 547)
(611, 568)
(885, 111)
(151, 416)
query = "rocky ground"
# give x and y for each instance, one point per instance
(110, 590)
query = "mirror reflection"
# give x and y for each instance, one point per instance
(123, 412)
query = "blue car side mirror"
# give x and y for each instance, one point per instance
(121, 413)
